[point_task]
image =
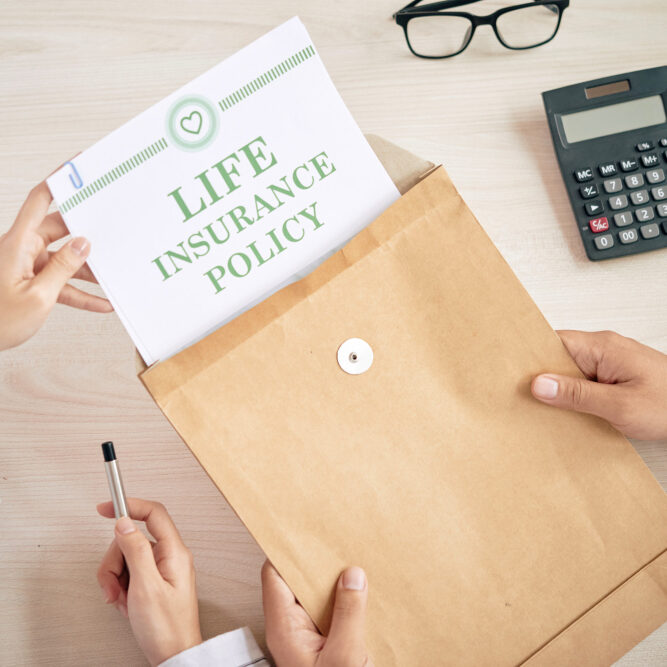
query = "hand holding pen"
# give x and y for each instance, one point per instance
(152, 583)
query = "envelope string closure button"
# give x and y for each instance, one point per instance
(355, 356)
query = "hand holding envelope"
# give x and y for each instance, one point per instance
(625, 383)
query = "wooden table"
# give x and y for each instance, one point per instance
(73, 71)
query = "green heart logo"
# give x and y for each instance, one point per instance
(192, 123)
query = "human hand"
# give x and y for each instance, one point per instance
(626, 383)
(32, 279)
(293, 638)
(158, 593)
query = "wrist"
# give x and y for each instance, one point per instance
(172, 647)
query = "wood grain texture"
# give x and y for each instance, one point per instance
(74, 71)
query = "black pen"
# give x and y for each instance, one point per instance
(115, 480)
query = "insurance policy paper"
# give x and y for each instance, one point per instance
(222, 192)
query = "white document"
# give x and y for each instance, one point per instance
(222, 192)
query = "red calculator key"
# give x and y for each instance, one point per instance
(598, 225)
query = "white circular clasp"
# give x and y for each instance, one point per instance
(355, 356)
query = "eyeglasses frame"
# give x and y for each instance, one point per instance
(410, 11)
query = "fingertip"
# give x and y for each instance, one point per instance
(353, 579)
(110, 594)
(125, 526)
(267, 569)
(544, 387)
(105, 509)
(80, 246)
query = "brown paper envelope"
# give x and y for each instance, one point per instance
(493, 529)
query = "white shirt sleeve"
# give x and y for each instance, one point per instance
(232, 649)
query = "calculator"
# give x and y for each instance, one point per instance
(610, 137)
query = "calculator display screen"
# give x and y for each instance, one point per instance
(600, 122)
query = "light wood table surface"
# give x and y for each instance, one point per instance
(70, 73)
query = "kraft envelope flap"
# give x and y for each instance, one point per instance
(490, 525)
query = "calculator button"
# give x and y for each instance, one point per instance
(662, 210)
(659, 193)
(589, 191)
(598, 225)
(655, 176)
(650, 160)
(663, 141)
(629, 165)
(634, 181)
(644, 145)
(623, 219)
(639, 197)
(608, 169)
(645, 214)
(583, 175)
(619, 201)
(604, 242)
(612, 185)
(593, 207)
(650, 231)
(628, 236)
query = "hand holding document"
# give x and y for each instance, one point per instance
(221, 193)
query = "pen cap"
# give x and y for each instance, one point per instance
(108, 451)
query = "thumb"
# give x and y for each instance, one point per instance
(577, 394)
(136, 549)
(62, 266)
(347, 634)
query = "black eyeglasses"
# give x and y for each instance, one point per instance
(433, 32)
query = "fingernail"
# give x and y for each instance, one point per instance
(107, 596)
(122, 607)
(125, 525)
(545, 387)
(79, 245)
(354, 579)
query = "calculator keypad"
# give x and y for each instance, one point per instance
(633, 188)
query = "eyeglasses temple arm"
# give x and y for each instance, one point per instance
(434, 6)
(552, 7)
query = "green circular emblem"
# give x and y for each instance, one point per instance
(192, 123)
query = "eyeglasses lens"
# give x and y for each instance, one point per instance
(528, 26)
(438, 36)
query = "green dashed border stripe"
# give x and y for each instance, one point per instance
(265, 79)
(114, 174)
